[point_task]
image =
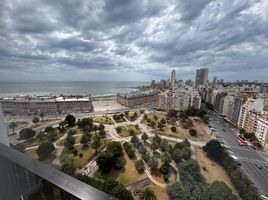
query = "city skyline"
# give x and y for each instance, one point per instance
(103, 41)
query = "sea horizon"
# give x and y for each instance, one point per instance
(9, 88)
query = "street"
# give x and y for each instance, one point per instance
(247, 156)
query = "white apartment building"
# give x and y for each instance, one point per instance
(251, 104)
(262, 132)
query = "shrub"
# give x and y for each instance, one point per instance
(164, 169)
(139, 166)
(80, 155)
(192, 132)
(75, 152)
(165, 177)
(173, 129)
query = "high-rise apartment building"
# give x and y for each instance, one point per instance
(201, 77)
(173, 78)
(262, 132)
(214, 82)
(251, 104)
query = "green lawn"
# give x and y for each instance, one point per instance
(151, 117)
(127, 175)
(103, 119)
(167, 131)
(125, 130)
(131, 116)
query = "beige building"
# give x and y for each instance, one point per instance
(136, 98)
(262, 132)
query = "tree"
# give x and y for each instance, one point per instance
(186, 153)
(105, 161)
(178, 191)
(153, 164)
(147, 194)
(35, 120)
(139, 164)
(144, 137)
(102, 133)
(96, 142)
(69, 142)
(12, 126)
(45, 149)
(214, 149)
(173, 129)
(172, 114)
(219, 190)
(68, 168)
(126, 113)
(164, 168)
(166, 158)
(192, 132)
(84, 140)
(42, 115)
(142, 150)
(26, 133)
(116, 189)
(145, 157)
(177, 155)
(157, 139)
(154, 146)
(131, 132)
(190, 169)
(70, 119)
(86, 123)
(145, 117)
(152, 124)
(134, 139)
(101, 127)
(115, 148)
(51, 136)
(118, 129)
(155, 118)
(160, 126)
(163, 121)
(119, 163)
(129, 150)
(163, 145)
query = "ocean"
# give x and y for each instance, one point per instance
(95, 88)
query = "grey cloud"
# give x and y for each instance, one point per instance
(191, 9)
(124, 35)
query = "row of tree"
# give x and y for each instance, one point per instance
(242, 183)
(110, 186)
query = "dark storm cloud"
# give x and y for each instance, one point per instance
(147, 37)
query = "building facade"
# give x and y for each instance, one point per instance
(136, 98)
(250, 104)
(201, 77)
(47, 105)
(262, 132)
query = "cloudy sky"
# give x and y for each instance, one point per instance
(136, 40)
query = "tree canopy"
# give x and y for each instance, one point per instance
(26, 133)
(45, 149)
(70, 119)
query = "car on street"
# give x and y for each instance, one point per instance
(258, 166)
